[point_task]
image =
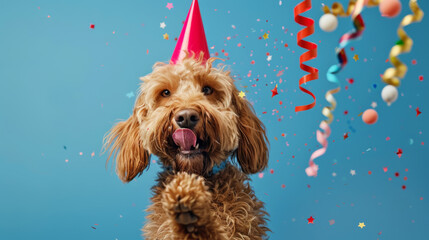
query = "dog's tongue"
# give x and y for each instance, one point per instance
(185, 138)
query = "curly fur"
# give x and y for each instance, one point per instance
(189, 201)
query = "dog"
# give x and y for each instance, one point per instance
(208, 140)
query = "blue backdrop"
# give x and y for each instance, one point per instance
(63, 85)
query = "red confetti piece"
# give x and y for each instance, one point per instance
(399, 152)
(421, 77)
(346, 135)
(310, 220)
(418, 112)
(92, 26)
(274, 91)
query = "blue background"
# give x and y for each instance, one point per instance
(63, 85)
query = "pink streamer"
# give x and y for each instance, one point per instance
(322, 139)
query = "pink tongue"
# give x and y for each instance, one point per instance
(185, 138)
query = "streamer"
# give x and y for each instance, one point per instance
(338, 10)
(322, 137)
(353, 9)
(313, 73)
(393, 75)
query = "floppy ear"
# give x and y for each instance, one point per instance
(252, 152)
(125, 145)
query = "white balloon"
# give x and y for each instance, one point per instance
(328, 22)
(389, 94)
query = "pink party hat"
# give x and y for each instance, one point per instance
(192, 38)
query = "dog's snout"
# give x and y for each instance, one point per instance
(187, 118)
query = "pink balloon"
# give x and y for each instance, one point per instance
(370, 116)
(390, 8)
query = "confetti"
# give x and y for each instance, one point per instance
(399, 153)
(361, 225)
(310, 220)
(265, 36)
(274, 91)
(356, 57)
(165, 36)
(169, 6)
(130, 95)
(418, 112)
(241, 94)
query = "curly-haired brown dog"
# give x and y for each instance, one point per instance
(191, 201)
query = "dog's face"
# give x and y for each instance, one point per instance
(191, 117)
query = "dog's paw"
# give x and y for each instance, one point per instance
(186, 200)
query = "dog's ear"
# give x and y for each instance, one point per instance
(125, 145)
(252, 152)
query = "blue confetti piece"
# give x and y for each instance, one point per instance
(130, 94)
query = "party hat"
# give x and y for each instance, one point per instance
(192, 38)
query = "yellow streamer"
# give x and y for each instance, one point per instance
(338, 10)
(392, 75)
(327, 111)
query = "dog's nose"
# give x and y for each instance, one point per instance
(187, 118)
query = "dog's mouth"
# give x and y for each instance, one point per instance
(190, 150)
(187, 142)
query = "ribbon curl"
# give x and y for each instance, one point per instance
(353, 9)
(313, 73)
(392, 75)
(338, 10)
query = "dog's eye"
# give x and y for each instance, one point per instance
(207, 90)
(165, 93)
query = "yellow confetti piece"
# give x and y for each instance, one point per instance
(165, 36)
(360, 114)
(265, 36)
(241, 94)
(361, 225)
(392, 75)
(356, 57)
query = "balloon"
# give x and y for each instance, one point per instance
(370, 116)
(390, 8)
(389, 94)
(328, 22)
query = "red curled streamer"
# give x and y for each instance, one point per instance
(313, 73)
